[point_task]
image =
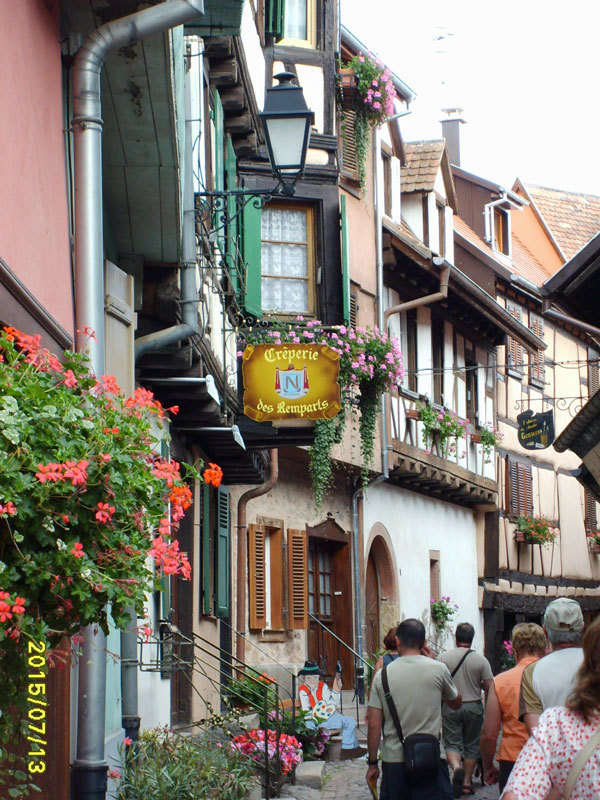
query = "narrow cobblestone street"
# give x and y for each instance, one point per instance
(345, 780)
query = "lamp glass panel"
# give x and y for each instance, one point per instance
(287, 139)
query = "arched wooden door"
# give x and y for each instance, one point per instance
(372, 595)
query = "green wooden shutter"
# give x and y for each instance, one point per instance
(345, 260)
(252, 258)
(274, 18)
(222, 566)
(219, 165)
(232, 231)
(206, 551)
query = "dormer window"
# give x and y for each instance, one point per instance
(497, 224)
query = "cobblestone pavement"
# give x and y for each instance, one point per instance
(345, 780)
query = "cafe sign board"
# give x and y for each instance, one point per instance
(536, 431)
(290, 381)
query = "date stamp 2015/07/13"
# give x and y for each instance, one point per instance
(36, 714)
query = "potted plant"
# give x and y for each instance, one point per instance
(594, 542)
(534, 530)
(443, 425)
(366, 88)
(442, 611)
(85, 527)
(489, 437)
(507, 656)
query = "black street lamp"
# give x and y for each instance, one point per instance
(286, 121)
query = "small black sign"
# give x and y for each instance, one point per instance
(536, 431)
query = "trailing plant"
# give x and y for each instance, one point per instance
(84, 502)
(443, 424)
(250, 690)
(442, 611)
(490, 438)
(370, 362)
(508, 659)
(537, 530)
(374, 104)
(165, 765)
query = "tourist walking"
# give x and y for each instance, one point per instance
(502, 706)
(471, 673)
(562, 755)
(417, 685)
(549, 681)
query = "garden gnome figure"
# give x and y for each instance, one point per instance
(321, 702)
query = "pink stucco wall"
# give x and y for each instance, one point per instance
(34, 234)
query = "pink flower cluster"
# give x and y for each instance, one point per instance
(376, 87)
(287, 747)
(168, 556)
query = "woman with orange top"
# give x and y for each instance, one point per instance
(502, 706)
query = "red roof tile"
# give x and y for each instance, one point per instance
(573, 219)
(423, 161)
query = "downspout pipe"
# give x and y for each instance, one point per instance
(242, 553)
(89, 771)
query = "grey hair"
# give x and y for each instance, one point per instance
(564, 637)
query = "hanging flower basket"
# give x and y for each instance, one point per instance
(348, 85)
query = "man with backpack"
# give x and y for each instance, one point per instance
(471, 673)
(407, 696)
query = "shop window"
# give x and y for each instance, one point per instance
(519, 488)
(278, 596)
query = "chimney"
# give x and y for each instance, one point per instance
(451, 133)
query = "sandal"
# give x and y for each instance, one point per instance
(458, 780)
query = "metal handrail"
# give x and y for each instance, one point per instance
(359, 668)
(341, 641)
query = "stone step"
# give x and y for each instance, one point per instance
(311, 774)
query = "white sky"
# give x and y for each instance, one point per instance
(524, 71)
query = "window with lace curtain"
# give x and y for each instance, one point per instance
(287, 259)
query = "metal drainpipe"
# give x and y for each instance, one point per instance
(90, 768)
(242, 552)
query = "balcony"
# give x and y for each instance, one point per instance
(461, 476)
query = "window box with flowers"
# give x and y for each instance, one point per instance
(442, 426)
(84, 499)
(370, 362)
(489, 437)
(594, 542)
(534, 530)
(366, 88)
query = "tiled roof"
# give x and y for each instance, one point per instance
(523, 261)
(573, 219)
(423, 161)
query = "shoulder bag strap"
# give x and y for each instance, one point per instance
(581, 759)
(391, 704)
(460, 663)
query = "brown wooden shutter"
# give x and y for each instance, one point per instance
(591, 519)
(297, 580)
(520, 488)
(349, 165)
(536, 368)
(593, 373)
(256, 574)
(514, 350)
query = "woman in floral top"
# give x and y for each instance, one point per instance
(548, 756)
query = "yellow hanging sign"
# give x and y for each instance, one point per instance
(291, 381)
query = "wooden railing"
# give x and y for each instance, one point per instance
(404, 427)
